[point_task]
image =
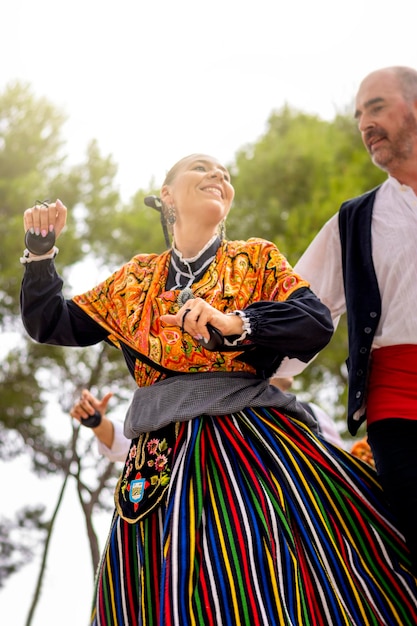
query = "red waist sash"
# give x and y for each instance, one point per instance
(392, 387)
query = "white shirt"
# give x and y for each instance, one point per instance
(394, 252)
(327, 426)
(120, 447)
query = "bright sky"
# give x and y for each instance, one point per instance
(156, 80)
(153, 81)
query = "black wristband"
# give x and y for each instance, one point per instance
(92, 421)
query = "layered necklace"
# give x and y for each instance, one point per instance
(183, 273)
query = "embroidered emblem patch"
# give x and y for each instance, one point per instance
(145, 479)
(137, 490)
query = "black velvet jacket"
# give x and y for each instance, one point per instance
(298, 327)
(363, 300)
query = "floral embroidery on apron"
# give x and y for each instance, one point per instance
(146, 475)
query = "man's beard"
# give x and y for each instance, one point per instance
(399, 148)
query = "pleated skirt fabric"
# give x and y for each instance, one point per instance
(264, 524)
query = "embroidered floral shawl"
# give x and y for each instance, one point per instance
(130, 302)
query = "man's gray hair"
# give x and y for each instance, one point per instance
(407, 78)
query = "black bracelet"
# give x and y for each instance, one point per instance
(92, 421)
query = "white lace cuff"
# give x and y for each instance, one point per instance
(41, 257)
(246, 329)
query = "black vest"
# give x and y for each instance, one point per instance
(363, 300)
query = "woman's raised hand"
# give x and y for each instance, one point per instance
(44, 218)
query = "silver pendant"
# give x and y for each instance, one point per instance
(185, 295)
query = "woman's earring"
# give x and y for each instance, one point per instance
(222, 230)
(170, 215)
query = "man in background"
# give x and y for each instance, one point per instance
(364, 262)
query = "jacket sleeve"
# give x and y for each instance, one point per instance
(47, 316)
(321, 266)
(299, 327)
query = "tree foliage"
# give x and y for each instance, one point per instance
(33, 166)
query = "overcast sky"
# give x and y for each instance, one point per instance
(153, 81)
(156, 80)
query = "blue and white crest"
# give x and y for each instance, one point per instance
(137, 490)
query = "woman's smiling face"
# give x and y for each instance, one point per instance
(199, 187)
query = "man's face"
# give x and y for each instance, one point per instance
(386, 121)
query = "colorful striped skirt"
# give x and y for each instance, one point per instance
(260, 523)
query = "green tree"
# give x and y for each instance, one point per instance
(33, 166)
